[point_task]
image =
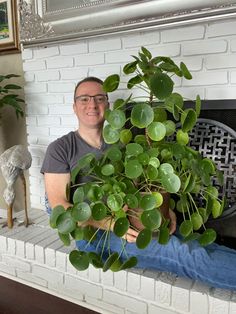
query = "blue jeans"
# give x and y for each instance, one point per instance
(214, 264)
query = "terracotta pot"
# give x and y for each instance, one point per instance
(134, 214)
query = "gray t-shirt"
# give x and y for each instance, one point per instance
(63, 154)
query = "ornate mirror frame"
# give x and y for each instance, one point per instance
(43, 21)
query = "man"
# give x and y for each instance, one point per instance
(214, 264)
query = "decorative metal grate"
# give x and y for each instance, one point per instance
(217, 141)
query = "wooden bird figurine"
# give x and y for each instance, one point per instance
(13, 162)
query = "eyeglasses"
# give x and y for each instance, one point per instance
(85, 99)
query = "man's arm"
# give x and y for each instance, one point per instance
(55, 185)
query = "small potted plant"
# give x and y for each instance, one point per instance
(149, 161)
(8, 97)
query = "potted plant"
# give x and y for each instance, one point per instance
(149, 160)
(8, 97)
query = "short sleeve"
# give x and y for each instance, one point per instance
(56, 158)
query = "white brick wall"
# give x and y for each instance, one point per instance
(35, 256)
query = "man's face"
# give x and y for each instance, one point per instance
(90, 112)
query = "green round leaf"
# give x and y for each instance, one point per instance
(171, 182)
(121, 226)
(108, 170)
(114, 153)
(156, 131)
(115, 202)
(65, 223)
(65, 238)
(111, 83)
(133, 169)
(186, 228)
(216, 209)
(155, 162)
(79, 259)
(56, 212)
(144, 238)
(143, 158)
(161, 85)
(95, 260)
(188, 119)
(151, 219)
(148, 202)
(95, 193)
(160, 115)
(131, 200)
(142, 115)
(78, 195)
(133, 149)
(77, 233)
(166, 168)
(116, 119)
(110, 260)
(81, 211)
(110, 135)
(151, 172)
(99, 211)
(125, 136)
(208, 237)
(130, 67)
(129, 263)
(170, 127)
(196, 220)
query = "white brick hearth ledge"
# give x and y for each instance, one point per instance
(36, 257)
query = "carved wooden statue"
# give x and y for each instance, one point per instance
(13, 162)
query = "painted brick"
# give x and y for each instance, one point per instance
(61, 260)
(133, 283)
(120, 280)
(29, 251)
(31, 120)
(89, 59)
(163, 288)
(20, 248)
(171, 50)
(119, 56)
(84, 287)
(104, 44)
(193, 63)
(53, 277)
(141, 39)
(69, 120)
(147, 290)
(183, 33)
(34, 65)
(45, 99)
(3, 244)
(233, 77)
(61, 87)
(94, 274)
(218, 306)
(35, 88)
(35, 130)
(52, 75)
(29, 76)
(11, 246)
(107, 278)
(59, 62)
(34, 109)
(104, 71)
(207, 78)
(26, 54)
(199, 295)
(154, 309)
(46, 52)
(222, 28)
(47, 120)
(233, 45)
(73, 49)
(74, 74)
(220, 62)
(204, 47)
(62, 109)
(180, 294)
(61, 131)
(29, 277)
(191, 92)
(7, 269)
(105, 308)
(16, 263)
(126, 300)
(221, 92)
